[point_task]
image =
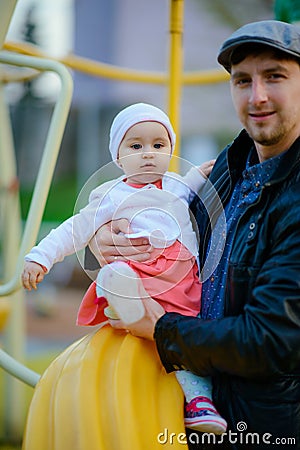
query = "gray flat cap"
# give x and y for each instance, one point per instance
(276, 34)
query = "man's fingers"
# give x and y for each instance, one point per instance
(129, 249)
(135, 245)
(124, 249)
(120, 226)
(109, 244)
(137, 258)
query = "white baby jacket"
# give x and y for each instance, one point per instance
(160, 214)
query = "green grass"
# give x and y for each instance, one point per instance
(60, 202)
(10, 447)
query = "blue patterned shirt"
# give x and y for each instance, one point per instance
(245, 193)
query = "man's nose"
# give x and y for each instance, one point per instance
(258, 92)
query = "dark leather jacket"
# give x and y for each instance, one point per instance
(253, 353)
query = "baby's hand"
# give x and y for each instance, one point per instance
(33, 273)
(206, 167)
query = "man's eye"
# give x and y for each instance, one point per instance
(276, 76)
(243, 81)
(136, 146)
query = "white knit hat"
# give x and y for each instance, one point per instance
(139, 112)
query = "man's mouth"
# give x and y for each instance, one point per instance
(261, 115)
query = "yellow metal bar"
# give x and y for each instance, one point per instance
(205, 77)
(112, 72)
(175, 73)
(98, 69)
(93, 68)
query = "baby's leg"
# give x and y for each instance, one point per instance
(123, 290)
(200, 413)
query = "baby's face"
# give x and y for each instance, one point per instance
(145, 152)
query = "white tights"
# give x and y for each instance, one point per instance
(194, 386)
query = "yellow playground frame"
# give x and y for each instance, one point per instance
(70, 408)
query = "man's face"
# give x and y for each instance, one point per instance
(266, 93)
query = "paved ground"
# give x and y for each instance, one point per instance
(51, 318)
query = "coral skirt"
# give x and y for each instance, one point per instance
(170, 277)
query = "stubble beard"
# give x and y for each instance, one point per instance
(266, 137)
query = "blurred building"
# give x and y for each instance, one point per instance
(132, 34)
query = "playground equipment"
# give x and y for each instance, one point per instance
(106, 391)
(109, 389)
(13, 251)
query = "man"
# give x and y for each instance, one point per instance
(248, 337)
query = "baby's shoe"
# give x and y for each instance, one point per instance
(122, 288)
(201, 415)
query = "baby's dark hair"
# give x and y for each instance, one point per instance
(251, 48)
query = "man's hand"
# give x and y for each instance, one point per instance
(109, 244)
(145, 327)
(33, 273)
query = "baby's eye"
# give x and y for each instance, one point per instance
(158, 146)
(136, 146)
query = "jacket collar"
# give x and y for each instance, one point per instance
(239, 150)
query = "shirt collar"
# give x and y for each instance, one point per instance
(260, 173)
